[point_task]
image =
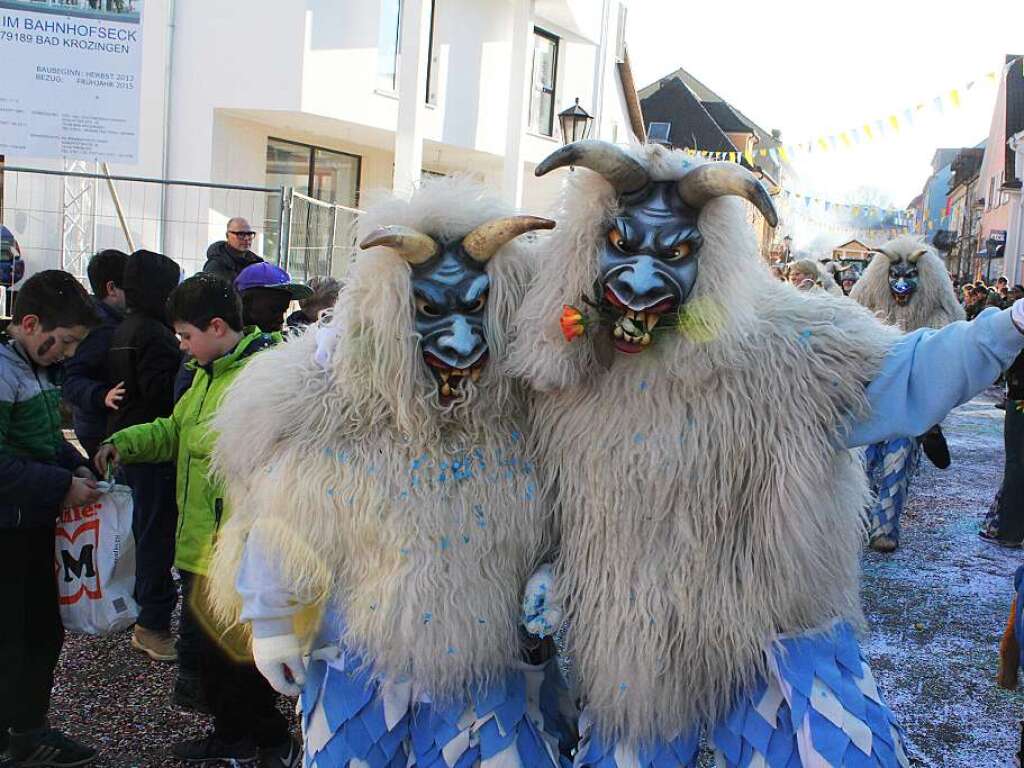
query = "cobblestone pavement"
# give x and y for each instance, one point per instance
(936, 609)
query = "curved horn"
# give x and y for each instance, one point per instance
(413, 246)
(618, 167)
(892, 257)
(484, 241)
(711, 180)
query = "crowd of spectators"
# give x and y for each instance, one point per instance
(142, 364)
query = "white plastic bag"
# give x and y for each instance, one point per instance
(95, 564)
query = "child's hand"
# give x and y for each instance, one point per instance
(114, 396)
(84, 472)
(107, 454)
(81, 492)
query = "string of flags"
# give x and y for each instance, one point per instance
(901, 220)
(882, 228)
(898, 216)
(866, 132)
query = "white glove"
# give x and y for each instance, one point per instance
(1017, 314)
(539, 617)
(279, 660)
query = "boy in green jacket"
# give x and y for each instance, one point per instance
(207, 316)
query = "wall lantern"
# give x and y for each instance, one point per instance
(575, 123)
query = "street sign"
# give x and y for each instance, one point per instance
(70, 78)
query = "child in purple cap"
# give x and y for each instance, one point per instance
(267, 291)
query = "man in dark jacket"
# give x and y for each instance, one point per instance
(1005, 523)
(144, 355)
(226, 258)
(86, 388)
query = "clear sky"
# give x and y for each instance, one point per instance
(817, 68)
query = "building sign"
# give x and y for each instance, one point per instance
(998, 236)
(70, 78)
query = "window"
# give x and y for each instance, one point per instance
(389, 48)
(432, 60)
(659, 132)
(992, 192)
(545, 75)
(387, 44)
(314, 171)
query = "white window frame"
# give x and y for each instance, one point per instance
(550, 37)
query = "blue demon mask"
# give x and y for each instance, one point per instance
(649, 258)
(449, 293)
(903, 279)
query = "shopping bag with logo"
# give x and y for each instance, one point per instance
(95, 563)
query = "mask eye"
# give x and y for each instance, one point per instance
(680, 251)
(616, 239)
(478, 305)
(426, 309)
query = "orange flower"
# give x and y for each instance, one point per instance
(573, 322)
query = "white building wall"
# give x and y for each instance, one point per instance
(306, 71)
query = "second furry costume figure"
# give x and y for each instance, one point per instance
(695, 423)
(387, 481)
(905, 285)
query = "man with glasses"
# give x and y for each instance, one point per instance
(226, 258)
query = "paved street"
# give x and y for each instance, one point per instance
(938, 605)
(936, 609)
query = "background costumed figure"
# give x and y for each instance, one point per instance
(695, 421)
(390, 486)
(907, 286)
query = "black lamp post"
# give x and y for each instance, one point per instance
(575, 123)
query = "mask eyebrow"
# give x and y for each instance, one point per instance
(430, 292)
(630, 236)
(477, 288)
(670, 238)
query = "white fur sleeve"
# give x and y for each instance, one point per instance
(268, 605)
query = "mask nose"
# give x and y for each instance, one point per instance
(638, 280)
(460, 339)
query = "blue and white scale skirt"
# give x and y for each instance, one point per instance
(352, 719)
(890, 466)
(819, 707)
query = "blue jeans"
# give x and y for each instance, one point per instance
(153, 525)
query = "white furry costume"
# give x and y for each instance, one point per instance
(710, 511)
(413, 525)
(891, 464)
(933, 304)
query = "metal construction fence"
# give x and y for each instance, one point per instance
(61, 217)
(321, 237)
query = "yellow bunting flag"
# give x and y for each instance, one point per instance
(784, 154)
(868, 132)
(894, 122)
(845, 138)
(823, 144)
(954, 98)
